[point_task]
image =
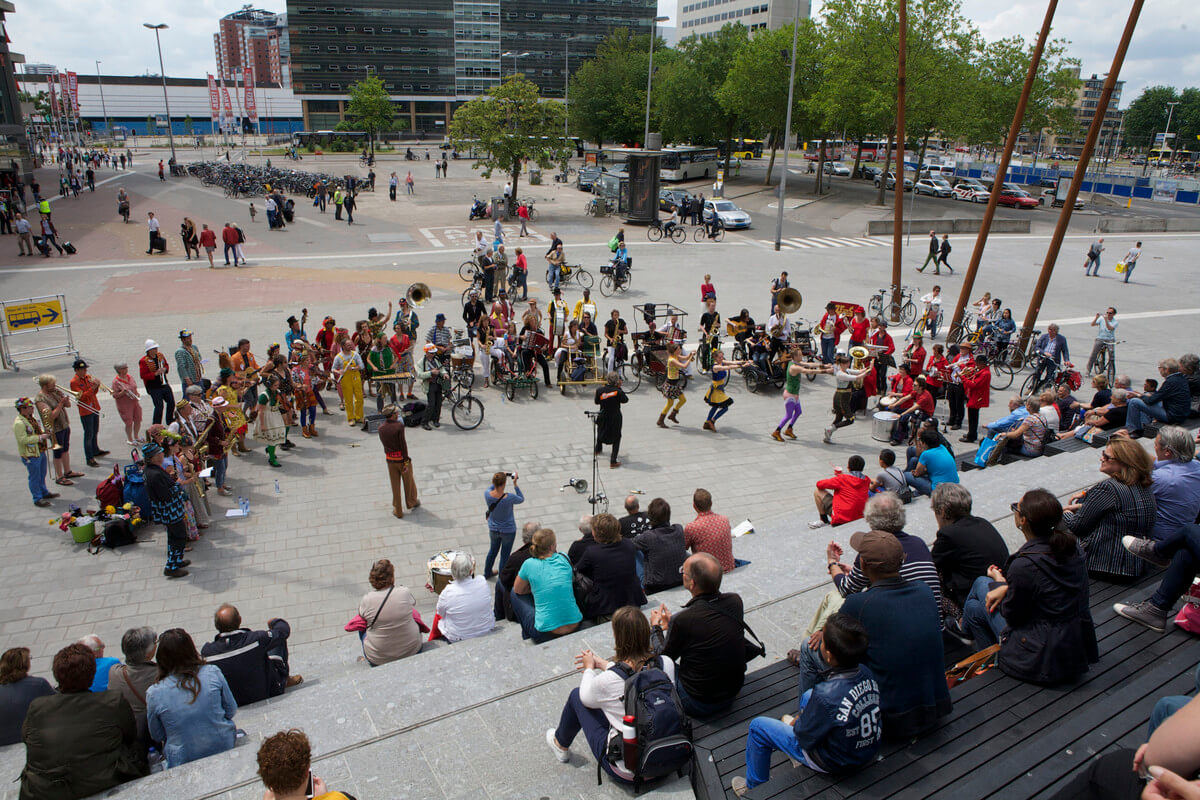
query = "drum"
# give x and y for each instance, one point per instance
(439, 570)
(458, 360)
(884, 425)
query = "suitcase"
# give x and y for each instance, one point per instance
(158, 243)
(372, 422)
(70, 248)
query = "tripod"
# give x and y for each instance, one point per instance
(597, 497)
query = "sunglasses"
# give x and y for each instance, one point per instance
(1016, 509)
(1106, 457)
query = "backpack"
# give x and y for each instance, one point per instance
(664, 732)
(109, 492)
(134, 489)
(117, 533)
(905, 492)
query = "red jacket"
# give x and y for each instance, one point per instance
(208, 237)
(229, 235)
(916, 361)
(839, 327)
(978, 388)
(849, 498)
(933, 378)
(882, 338)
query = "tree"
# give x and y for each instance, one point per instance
(684, 101)
(608, 92)
(187, 125)
(370, 108)
(509, 127)
(1147, 115)
(41, 104)
(151, 125)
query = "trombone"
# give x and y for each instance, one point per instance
(78, 402)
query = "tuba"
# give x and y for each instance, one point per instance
(418, 294)
(859, 356)
(789, 300)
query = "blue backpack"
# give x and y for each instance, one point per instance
(134, 489)
(664, 732)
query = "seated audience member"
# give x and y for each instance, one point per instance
(634, 521)
(1170, 403)
(1016, 413)
(78, 743)
(1189, 365)
(1029, 437)
(392, 632)
(840, 499)
(17, 690)
(586, 539)
(935, 465)
(705, 640)
(1121, 505)
(597, 707)
(137, 674)
(1049, 410)
(543, 597)
(709, 532)
(1175, 482)
(885, 512)
(922, 406)
(190, 710)
(905, 640)
(892, 477)
(911, 453)
(255, 663)
(837, 728)
(1066, 405)
(464, 607)
(611, 567)
(1109, 417)
(1180, 554)
(502, 606)
(1037, 606)
(285, 767)
(1100, 398)
(965, 545)
(662, 548)
(103, 663)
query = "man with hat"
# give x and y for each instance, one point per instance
(88, 403)
(187, 362)
(407, 317)
(400, 471)
(153, 369)
(30, 439)
(439, 335)
(956, 396)
(904, 632)
(435, 381)
(295, 331)
(558, 316)
(166, 506)
(218, 433)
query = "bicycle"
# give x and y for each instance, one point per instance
(467, 411)
(1106, 361)
(702, 233)
(658, 230)
(1043, 378)
(533, 213)
(905, 311)
(469, 271)
(609, 283)
(599, 207)
(574, 272)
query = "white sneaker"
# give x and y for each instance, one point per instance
(817, 523)
(828, 438)
(562, 755)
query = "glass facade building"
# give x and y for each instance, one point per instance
(434, 54)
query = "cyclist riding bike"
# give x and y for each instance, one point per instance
(1051, 351)
(672, 221)
(933, 309)
(713, 225)
(620, 263)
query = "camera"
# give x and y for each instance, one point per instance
(511, 474)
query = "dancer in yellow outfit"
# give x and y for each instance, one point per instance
(347, 370)
(672, 387)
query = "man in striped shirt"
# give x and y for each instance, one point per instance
(885, 512)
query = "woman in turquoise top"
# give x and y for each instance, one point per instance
(191, 708)
(543, 594)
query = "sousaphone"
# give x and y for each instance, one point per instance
(418, 294)
(789, 300)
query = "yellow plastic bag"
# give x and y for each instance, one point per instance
(1120, 267)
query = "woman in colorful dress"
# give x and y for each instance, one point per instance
(718, 401)
(306, 398)
(672, 387)
(268, 426)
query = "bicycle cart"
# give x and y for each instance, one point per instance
(583, 366)
(648, 353)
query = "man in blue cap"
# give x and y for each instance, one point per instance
(166, 506)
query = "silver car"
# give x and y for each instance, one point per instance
(730, 215)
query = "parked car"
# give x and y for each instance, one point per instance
(869, 173)
(891, 182)
(1006, 186)
(971, 190)
(836, 168)
(587, 177)
(1047, 182)
(1138, 161)
(1047, 199)
(1017, 198)
(935, 187)
(730, 215)
(673, 197)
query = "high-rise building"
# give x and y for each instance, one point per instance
(1083, 108)
(15, 158)
(434, 54)
(253, 38)
(40, 69)
(704, 18)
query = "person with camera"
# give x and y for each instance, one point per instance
(502, 525)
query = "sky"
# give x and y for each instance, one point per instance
(72, 34)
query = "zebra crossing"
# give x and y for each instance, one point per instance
(823, 242)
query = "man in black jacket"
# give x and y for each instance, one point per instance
(663, 549)
(635, 521)
(1170, 404)
(965, 545)
(166, 506)
(255, 663)
(705, 640)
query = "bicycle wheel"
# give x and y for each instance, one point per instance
(1110, 369)
(465, 377)
(699, 234)
(533, 214)
(589, 209)
(955, 334)
(466, 293)
(1031, 385)
(875, 306)
(467, 412)
(631, 377)
(533, 390)
(654, 233)
(893, 313)
(752, 378)
(719, 236)
(584, 278)
(908, 313)
(607, 286)
(739, 352)
(678, 234)
(1002, 374)
(1014, 357)
(1101, 363)
(466, 270)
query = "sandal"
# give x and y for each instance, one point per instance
(64, 481)
(73, 474)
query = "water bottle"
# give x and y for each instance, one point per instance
(629, 751)
(156, 760)
(277, 489)
(241, 503)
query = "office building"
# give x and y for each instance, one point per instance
(432, 55)
(1083, 108)
(704, 18)
(15, 158)
(253, 38)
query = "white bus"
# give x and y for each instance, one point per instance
(684, 163)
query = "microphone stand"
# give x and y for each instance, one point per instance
(597, 496)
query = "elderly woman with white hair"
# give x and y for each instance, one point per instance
(464, 608)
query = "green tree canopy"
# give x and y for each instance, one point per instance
(608, 92)
(1147, 116)
(685, 101)
(370, 109)
(510, 126)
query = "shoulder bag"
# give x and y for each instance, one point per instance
(753, 649)
(905, 492)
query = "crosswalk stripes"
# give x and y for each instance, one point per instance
(825, 242)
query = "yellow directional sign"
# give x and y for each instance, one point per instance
(33, 315)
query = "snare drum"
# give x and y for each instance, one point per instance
(884, 425)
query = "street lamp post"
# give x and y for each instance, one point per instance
(787, 130)
(163, 74)
(103, 107)
(650, 75)
(1170, 112)
(515, 56)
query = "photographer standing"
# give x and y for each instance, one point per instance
(502, 525)
(610, 397)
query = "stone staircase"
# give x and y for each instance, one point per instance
(468, 720)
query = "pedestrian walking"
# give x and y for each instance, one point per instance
(393, 182)
(399, 464)
(191, 241)
(1093, 258)
(445, 164)
(408, 183)
(237, 247)
(253, 213)
(933, 252)
(1131, 258)
(348, 203)
(153, 226)
(49, 232)
(338, 199)
(208, 240)
(229, 238)
(161, 173)
(523, 215)
(24, 237)
(943, 253)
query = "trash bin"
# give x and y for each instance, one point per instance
(499, 208)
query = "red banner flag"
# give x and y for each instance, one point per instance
(73, 86)
(214, 98)
(248, 101)
(228, 117)
(63, 99)
(53, 99)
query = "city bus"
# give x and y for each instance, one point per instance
(833, 149)
(745, 148)
(678, 163)
(872, 149)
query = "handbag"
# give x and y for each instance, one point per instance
(753, 649)
(1120, 267)
(1188, 617)
(985, 449)
(905, 492)
(581, 586)
(359, 623)
(972, 665)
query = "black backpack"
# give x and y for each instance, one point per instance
(664, 732)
